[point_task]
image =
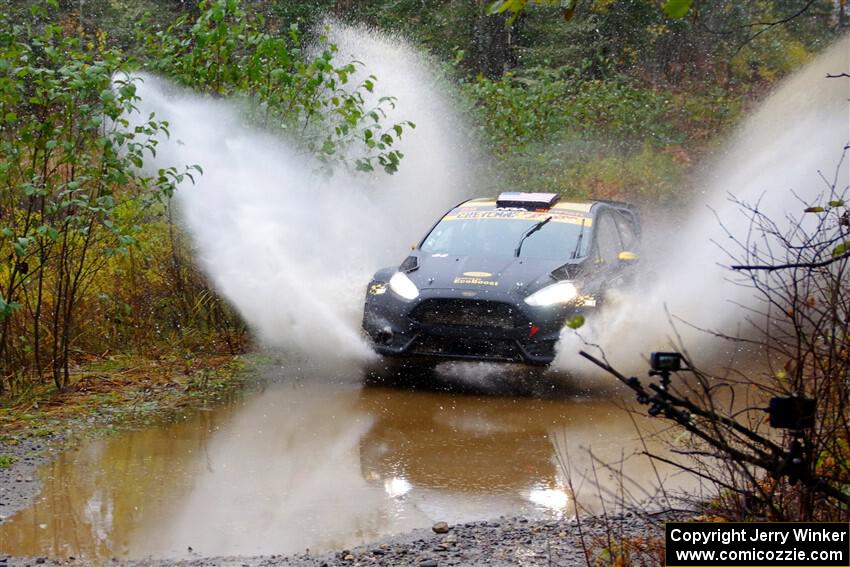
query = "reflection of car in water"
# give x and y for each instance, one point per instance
(498, 279)
(473, 445)
(467, 455)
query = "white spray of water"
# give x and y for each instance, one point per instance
(800, 130)
(291, 250)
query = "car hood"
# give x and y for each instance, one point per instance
(492, 275)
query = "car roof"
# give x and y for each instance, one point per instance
(578, 206)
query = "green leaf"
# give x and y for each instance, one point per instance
(501, 6)
(837, 203)
(48, 231)
(20, 246)
(576, 322)
(7, 308)
(841, 249)
(677, 9)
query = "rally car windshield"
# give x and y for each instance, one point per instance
(463, 233)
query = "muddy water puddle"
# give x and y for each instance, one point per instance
(319, 466)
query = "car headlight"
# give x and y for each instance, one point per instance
(555, 294)
(403, 287)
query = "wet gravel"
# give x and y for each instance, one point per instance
(19, 483)
(514, 541)
(508, 541)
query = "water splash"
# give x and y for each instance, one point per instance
(293, 251)
(774, 159)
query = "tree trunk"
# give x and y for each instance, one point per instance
(494, 39)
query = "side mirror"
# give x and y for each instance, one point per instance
(627, 257)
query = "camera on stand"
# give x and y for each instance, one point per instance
(792, 412)
(665, 361)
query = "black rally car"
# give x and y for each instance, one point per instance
(498, 279)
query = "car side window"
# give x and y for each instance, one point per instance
(628, 234)
(607, 239)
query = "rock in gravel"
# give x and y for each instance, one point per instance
(428, 563)
(440, 528)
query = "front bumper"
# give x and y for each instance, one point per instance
(444, 325)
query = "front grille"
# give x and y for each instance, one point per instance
(491, 349)
(467, 312)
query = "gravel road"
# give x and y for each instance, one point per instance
(507, 541)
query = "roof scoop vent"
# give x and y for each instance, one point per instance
(529, 201)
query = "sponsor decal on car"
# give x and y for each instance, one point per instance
(466, 280)
(378, 289)
(559, 216)
(583, 207)
(475, 278)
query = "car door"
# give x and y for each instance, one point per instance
(610, 270)
(630, 245)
